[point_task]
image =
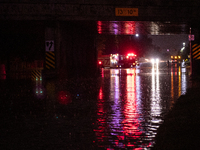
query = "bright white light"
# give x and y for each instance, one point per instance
(182, 49)
(156, 61)
(137, 35)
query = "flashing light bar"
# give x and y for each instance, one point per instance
(131, 54)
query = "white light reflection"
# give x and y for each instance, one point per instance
(114, 27)
(183, 80)
(179, 81)
(138, 90)
(115, 118)
(154, 28)
(155, 101)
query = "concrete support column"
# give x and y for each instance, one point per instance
(52, 43)
(74, 53)
(195, 53)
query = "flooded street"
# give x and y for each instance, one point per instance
(132, 103)
(122, 109)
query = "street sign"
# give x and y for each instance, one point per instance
(126, 11)
(191, 37)
(49, 46)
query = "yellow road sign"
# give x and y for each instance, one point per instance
(126, 11)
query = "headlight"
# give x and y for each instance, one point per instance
(157, 60)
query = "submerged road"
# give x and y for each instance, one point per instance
(121, 109)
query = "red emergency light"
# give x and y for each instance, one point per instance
(100, 62)
(131, 54)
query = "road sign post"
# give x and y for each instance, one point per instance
(49, 55)
(49, 46)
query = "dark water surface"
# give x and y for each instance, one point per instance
(120, 110)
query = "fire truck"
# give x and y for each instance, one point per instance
(118, 60)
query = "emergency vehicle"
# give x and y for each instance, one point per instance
(118, 61)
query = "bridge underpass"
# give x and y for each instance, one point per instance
(72, 29)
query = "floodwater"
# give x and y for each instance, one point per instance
(133, 102)
(122, 109)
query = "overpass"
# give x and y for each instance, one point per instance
(63, 32)
(144, 10)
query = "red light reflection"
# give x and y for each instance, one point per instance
(99, 26)
(131, 123)
(119, 127)
(64, 97)
(100, 93)
(2, 72)
(101, 121)
(117, 27)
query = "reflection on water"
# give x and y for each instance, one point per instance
(155, 107)
(178, 82)
(131, 105)
(136, 27)
(122, 110)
